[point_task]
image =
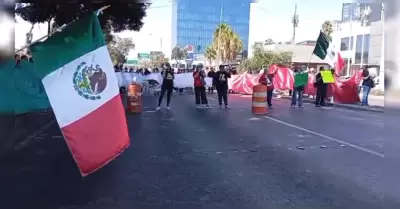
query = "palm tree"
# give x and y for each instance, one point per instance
(210, 54)
(178, 53)
(327, 29)
(227, 43)
(269, 41)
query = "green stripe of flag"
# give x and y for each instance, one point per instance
(322, 45)
(77, 39)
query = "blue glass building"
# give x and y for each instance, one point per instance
(196, 21)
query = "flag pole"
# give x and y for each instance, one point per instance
(309, 60)
(58, 30)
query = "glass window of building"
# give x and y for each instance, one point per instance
(362, 49)
(345, 45)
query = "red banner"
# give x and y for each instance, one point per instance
(343, 91)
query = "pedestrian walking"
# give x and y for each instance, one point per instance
(267, 79)
(297, 93)
(167, 86)
(322, 89)
(200, 86)
(221, 84)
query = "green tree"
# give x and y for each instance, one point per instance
(269, 42)
(227, 43)
(119, 49)
(210, 53)
(327, 29)
(263, 57)
(178, 53)
(121, 15)
(157, 60)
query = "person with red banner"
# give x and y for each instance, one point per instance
(199, 86)
(267, 79)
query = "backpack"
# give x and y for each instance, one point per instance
(372, 83)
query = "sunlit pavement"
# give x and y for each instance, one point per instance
(218, 158)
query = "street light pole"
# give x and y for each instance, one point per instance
(219, 37)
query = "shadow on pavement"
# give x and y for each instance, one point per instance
(15, 129)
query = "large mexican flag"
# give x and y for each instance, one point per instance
(325, 51)
(79, 79)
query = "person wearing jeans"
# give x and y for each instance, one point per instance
(367, 84)
(297, 92)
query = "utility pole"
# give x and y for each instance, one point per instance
(295, 22)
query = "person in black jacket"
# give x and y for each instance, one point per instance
(167, 85)
(322, 89)
(212, 75)
(222, 86)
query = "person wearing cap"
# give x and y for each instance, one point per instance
(167, 85)
(200, 86)
(222, 86)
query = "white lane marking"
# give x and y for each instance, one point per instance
(328, 137)
(212, 99)
(27, 139)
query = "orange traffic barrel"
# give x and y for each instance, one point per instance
(134, 99)
(259, 101)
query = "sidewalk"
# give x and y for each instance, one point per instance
(377, 103)
(14, 129)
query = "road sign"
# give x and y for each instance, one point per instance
(143, 56)
(132, 62)
(189, 48)
(155, 54)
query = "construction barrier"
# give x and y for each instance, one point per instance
(134, 99)
(259, 101)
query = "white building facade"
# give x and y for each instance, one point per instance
(360, 46)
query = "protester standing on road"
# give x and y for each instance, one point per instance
(322, 89)
(367, 84)
(221, 84)
(167, 85)
(267, 79)
(212, 75)
(199, 86)
(297, 93)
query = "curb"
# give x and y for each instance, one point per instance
(345, 106)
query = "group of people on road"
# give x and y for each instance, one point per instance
(219, 82)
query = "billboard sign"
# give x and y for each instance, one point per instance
(189, 49)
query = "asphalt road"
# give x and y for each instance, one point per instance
(217, 158)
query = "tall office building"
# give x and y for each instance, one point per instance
(194, 22)
(349, 10)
